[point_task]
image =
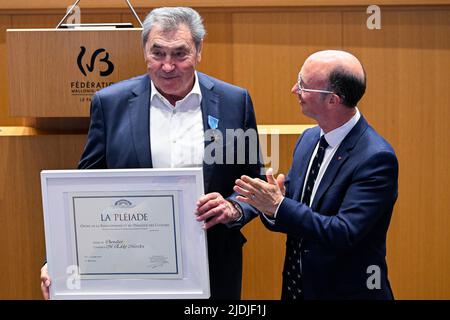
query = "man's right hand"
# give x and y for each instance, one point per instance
(45, 282)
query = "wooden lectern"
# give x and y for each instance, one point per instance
(54, 72)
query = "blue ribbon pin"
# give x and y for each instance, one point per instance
(213, 122)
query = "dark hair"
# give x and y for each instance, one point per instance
(348, 86)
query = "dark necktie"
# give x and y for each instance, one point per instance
(314, 171)
(292, 289)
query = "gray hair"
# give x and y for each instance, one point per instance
(170, 18)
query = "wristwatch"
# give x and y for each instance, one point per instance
(237, 206)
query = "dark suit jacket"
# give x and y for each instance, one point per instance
(119, 137)
(344, 230)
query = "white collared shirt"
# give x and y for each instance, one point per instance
(334, 139)
(176, 132)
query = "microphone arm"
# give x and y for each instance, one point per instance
(77, 1)
(134, 13)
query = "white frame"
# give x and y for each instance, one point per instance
(58, 184)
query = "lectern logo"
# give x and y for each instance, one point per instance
(85, 88)
(90, 67)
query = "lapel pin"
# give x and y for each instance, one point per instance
(213, 124)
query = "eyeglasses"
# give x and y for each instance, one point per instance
(300, 88)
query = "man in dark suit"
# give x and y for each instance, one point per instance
(177, 117)
(336, 203)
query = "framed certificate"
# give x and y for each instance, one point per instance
(124, 234)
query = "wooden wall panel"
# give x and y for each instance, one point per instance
(5, 23)
(217, 56)
(268, 51)
(45, 20)
(21, 218)
(407, 101)
(264, 250)
(37, 4)
(34, 21)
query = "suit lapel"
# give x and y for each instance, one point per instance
(210, 107)
(139, 112)
(339, 158)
